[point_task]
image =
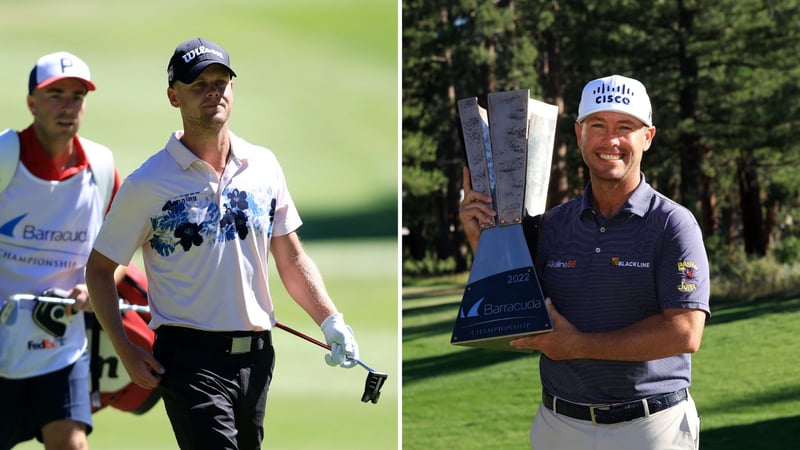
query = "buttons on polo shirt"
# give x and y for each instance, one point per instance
(602, 229)
(597, 250)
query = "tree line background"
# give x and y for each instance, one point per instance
(723, 77)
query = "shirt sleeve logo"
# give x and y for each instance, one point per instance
(687, 270)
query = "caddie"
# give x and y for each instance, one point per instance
(626, 277)
(55, 188)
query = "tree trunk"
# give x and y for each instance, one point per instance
(750, 200)
(558, 191)
(448, 241)
(694, 184)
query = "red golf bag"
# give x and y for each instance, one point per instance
(110, 383)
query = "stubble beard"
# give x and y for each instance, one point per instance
(210, 124)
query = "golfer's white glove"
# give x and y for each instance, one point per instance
(339, 335)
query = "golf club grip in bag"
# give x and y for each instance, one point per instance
(110, 383)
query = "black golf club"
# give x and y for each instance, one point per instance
(50, 310)
(372, 386)
(123, 305)
(375, 379)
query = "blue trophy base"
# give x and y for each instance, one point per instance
(503, 299)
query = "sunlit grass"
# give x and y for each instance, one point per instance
(745, 380)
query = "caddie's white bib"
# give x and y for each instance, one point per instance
(46, 233)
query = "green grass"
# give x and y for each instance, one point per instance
(745, 379)
(318, 85)
(314, 406)
(310, 405)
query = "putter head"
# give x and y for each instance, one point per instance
(372, 387)
(52, 317)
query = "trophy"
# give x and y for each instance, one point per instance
(509, 152)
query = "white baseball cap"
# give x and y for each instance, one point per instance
(56, 66)
(617, 94)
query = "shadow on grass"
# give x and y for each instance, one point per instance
(457, 359)
(376, 221)
(416, 370)
(434, 292)
(773, 396)
(769, 434)
(732, 311)
(432, 308)
(430, 327)
(442, 327)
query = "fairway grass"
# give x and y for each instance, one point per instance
(310, 405)
(317, 82)
(318, 85)
(745, 378)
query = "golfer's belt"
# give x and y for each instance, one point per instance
(616, 412)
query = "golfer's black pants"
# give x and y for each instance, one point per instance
(214, 387)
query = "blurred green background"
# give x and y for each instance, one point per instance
(318, 85)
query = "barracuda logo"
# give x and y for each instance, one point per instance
(32, 233)
(496, 307)
(525, 305)
(473, 312)
(490, 309)
(8, 228)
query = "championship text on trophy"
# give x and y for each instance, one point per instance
(509, 156)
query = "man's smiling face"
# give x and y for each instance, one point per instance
(612, 145)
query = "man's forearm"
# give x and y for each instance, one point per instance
(101, 282)
(659, 336)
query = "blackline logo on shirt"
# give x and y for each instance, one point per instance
(33, 233)
(616, 262)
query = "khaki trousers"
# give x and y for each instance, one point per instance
(676, 428)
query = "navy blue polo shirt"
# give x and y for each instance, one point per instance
(605, 273)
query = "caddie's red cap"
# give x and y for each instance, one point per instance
(56, 66)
